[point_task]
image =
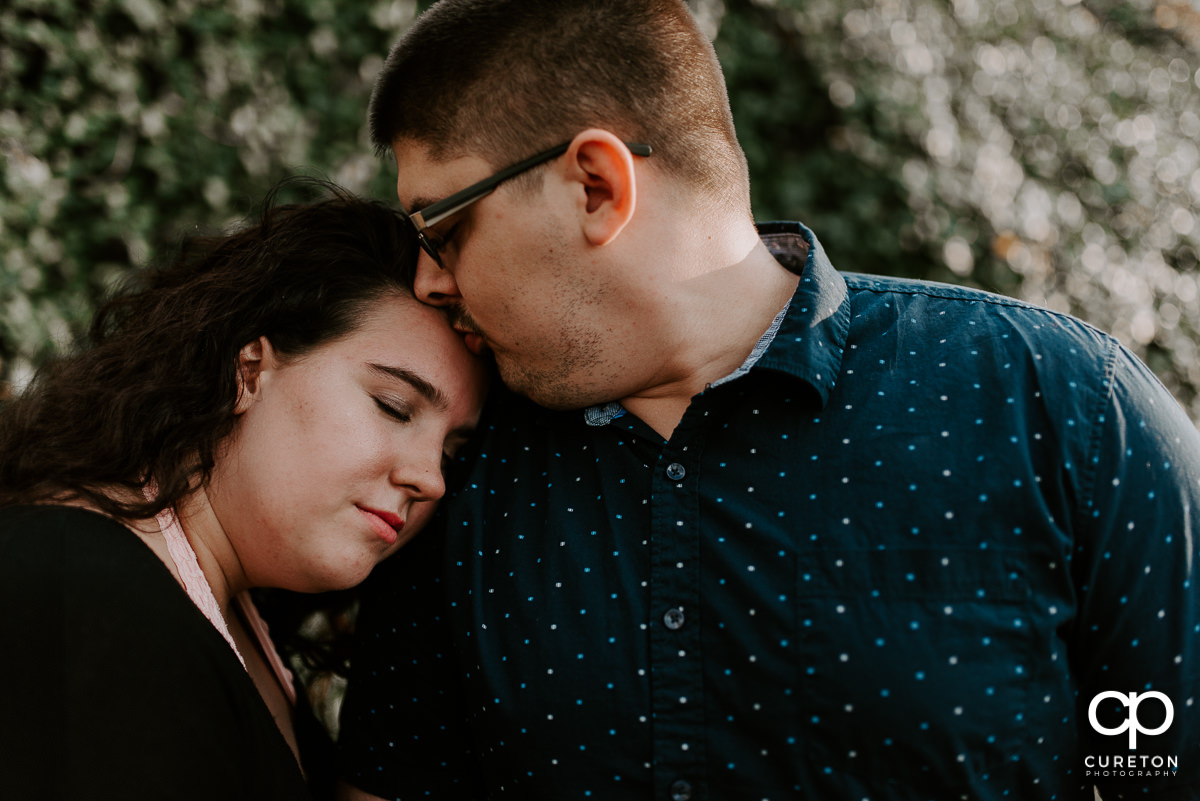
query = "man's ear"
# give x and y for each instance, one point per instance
(254, 360)
(603, 164)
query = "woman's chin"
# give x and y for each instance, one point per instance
(327, 581)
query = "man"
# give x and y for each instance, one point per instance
(756, 529)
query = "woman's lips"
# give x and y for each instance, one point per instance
(386, 524)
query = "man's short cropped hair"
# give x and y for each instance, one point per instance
(503, 79)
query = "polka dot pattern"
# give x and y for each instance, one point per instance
(896, 558)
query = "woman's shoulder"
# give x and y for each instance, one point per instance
(79, 546)
(19, 524)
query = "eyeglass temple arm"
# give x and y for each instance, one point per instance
(436, 212)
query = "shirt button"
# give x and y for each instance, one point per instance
(675, 471)
(674, 619)
(681, 791)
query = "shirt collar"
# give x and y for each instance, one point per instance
(811, 339)
(808, 337)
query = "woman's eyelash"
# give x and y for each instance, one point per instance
(396, 412)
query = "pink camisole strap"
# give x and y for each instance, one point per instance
(259, 626)
(199, 590)
(193, 578)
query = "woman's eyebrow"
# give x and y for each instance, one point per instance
(416, 381)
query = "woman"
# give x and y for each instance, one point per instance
(272, 409)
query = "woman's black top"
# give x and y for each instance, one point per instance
(115, 685)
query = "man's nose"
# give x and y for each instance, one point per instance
(434, 285)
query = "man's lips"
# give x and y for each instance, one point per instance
(471, 339)
(386, 524)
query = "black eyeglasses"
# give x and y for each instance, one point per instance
(434, 213)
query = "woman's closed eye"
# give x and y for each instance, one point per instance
(397, 410)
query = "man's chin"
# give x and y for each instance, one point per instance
(557, 394)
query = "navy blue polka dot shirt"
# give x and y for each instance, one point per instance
(896, 556)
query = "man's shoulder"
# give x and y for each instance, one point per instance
(973, 312)
(880, 286)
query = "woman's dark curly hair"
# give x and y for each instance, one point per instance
(150, 395)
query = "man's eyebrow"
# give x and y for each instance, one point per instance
(421, 385)
(419, 203)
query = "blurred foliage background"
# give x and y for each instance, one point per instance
(1045, 149)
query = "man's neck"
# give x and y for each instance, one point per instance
(715, 323)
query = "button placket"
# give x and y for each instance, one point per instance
(675, 647)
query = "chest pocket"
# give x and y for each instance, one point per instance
(914, 662)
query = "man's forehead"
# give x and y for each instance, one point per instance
(422, 180)
(415, 174)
